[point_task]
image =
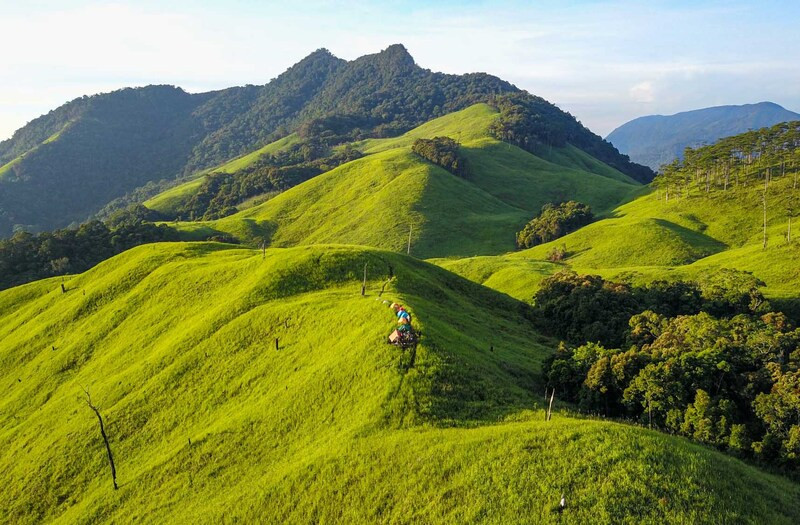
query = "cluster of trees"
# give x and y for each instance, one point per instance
(554, 221)
(26, 257)
(442, 151)
(535, 125)
(221, 192)
(704, 359)
(751, 159)
(745, 165)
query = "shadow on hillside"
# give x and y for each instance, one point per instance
(694, 238)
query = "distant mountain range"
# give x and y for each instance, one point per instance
(64, 166)
(658, 139)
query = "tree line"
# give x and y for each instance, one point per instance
(751, 159)
(26, 257)
(707, 359)
(744, 166)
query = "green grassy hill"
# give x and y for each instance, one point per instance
(210, 422)
(650, 238)
(168, 202)
(375, 200)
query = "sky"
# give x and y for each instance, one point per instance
(605, 62)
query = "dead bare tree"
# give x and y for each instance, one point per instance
(383, 286)
(548, 413)
(765, 216)
(105, 437)
(364, 284)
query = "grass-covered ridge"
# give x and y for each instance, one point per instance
(208, 421)
(375, 200)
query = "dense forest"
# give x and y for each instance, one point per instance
(67, 165)
(708, 360)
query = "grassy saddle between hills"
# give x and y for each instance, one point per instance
(237, 385)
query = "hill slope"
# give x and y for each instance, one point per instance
(376, 199)
(209, 422)
(657, 139)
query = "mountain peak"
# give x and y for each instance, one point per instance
(320, 55)
(397, 53)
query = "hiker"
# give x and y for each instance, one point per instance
(403, 318)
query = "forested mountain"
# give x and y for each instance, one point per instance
(65, 166)
(657, 139)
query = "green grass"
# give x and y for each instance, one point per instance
(209, 422)
(168, 202)
(516, 277)
(572, 157)
(5, 169)
(465, 126)
(245, 161)
(375, 200)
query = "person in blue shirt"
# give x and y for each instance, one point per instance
(403, 318)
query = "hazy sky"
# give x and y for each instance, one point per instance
(604, 61)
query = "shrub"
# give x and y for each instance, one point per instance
(559, 253)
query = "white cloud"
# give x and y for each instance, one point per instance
(643, 92)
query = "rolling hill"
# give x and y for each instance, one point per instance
(657, 139)
(375, 200)
(209, 421)
(65, 166)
